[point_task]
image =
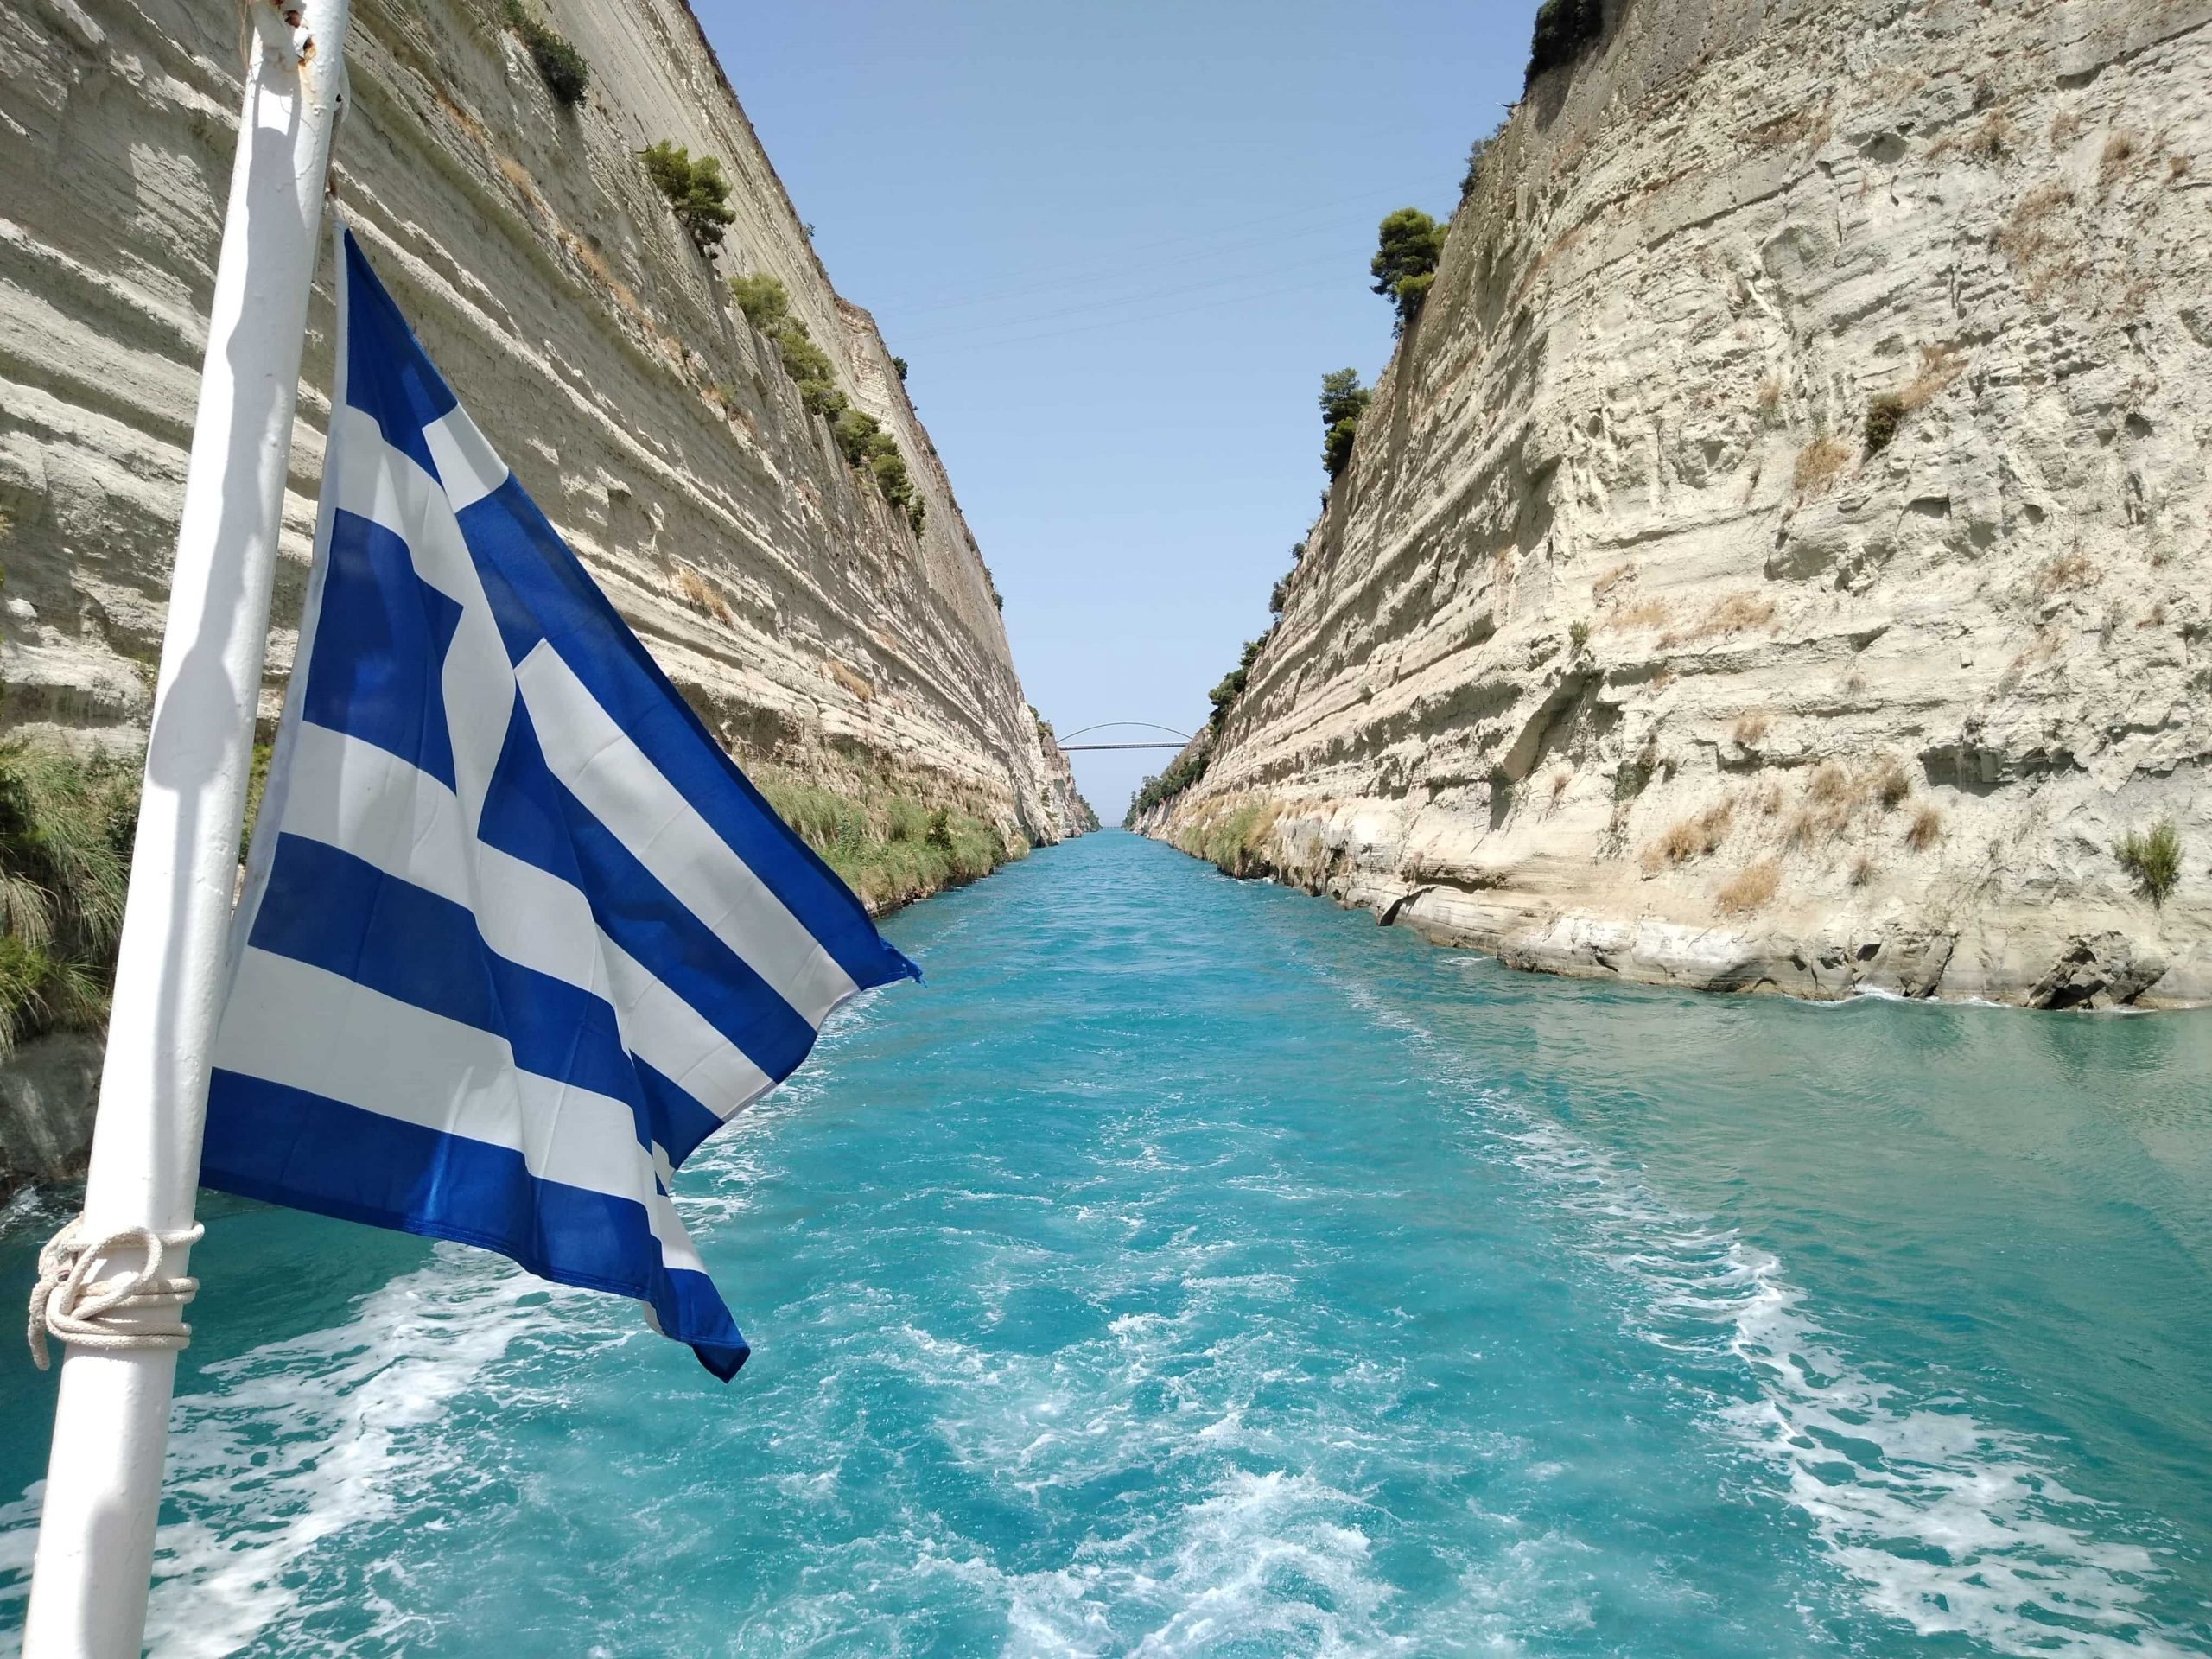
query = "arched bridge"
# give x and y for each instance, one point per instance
(1182, 738)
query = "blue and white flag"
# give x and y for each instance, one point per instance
(517, 936)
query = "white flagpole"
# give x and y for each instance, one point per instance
(89, 1580)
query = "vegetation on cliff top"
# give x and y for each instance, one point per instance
(1409, 245)
(696, 191)
(1344, 401)
(861, 438)
(1565, 30)
(65, 827)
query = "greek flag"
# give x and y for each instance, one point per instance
(516, 934)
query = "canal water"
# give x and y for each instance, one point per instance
(1193, 1267)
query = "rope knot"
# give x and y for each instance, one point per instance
(67, 1302)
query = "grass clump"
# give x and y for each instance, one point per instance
(1750, 889)
(65, 827)
(2152, 859)
(1234, 842)
(696, 192)
(560, 65)
(1344, 401)
(887, 845)
(1820, 463)
(1884, 414)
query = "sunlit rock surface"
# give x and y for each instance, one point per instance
(1626, 645)
(805, 619)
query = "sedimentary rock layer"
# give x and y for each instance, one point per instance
(806, 618)
(1780, 557)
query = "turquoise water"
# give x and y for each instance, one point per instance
(1193, 1267)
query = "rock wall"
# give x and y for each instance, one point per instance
(1780, 555)
(806, 619)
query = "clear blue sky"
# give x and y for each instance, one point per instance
(1120, 244)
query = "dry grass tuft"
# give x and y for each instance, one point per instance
(692, 589)
(1751, 888)
(2064, 127)
(1731, 615)
(1748, 730)
(2177, 168)
(852, 682)
(1862, 870)
(2069, 570)
(1611, 578)
(1820, 463)
(2119, 150)
(2028, 234)
(1645, 613)
(1768, 397)
(1698, 836)
(1889, 782)
(1926, 829)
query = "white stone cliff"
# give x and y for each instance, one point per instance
(1625, 647)
(804, 617)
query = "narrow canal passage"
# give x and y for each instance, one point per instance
(1192, 1267)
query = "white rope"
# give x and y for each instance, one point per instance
(67, 1302)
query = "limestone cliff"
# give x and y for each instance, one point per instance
(1780, 555)
(808, 621)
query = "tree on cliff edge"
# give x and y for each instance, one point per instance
(1410, 245)
(1343, 400)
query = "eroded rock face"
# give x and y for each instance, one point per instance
(804, 617)
(599, 349)
(1780, 557)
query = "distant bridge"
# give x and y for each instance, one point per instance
(1182, 738)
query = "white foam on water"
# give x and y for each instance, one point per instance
(305, 1441)
(1950, 1524)
(1955, 1527)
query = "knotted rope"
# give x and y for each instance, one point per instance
(69, 1303)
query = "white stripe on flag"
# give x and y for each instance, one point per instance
(313, 1030)
(368, 802)
(464, 459)
(620, 787)
(390, 488)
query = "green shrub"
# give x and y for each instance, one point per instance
(1565, 30)
(1578, 636)
(1472, 177)
(1884, 414)
(763, 298)
(66, 826)
(1186, 770)
(1409, 244)
(1224, 696)
(696, 191)
(1344, 401)
(898, 364)
(2154, 859)
(560, 65)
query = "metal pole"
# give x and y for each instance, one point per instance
(90, 1578)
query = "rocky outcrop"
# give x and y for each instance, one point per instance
(1780, 555)
(810, 623)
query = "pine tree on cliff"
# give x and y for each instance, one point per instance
(1411, 244)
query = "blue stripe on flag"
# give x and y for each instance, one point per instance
(388, 377)
(287, 1146)
(333, 911)
(507, 1051)
(379, 647)
(540, 590)
(530, 815)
